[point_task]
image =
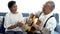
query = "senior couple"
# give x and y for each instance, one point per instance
(14, 20)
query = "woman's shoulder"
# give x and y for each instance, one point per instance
(8, 14)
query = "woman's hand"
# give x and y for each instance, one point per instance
(20, 24)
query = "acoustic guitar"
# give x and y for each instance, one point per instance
(29, 27)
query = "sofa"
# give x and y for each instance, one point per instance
(56, 15)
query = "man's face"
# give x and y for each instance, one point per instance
(13, 8)
(46, 8)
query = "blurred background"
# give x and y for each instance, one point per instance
(29, 6)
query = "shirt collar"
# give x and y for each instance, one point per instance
(48, 15)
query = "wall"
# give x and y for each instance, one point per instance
(28, 6)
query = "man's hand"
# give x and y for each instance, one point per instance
(29, 21)
(36, 26)
(39, 30)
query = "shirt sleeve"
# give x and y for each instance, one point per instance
(7, 21)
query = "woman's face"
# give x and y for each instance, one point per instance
(13, 8)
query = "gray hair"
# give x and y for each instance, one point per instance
(52, 4)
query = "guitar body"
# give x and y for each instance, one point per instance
(33, 28)
(30, 29)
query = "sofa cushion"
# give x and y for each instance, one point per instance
(25, 14)
(58, 28)
(2, 14)
(56, 32)
(56, 15)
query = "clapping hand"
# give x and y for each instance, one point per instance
(20, 24)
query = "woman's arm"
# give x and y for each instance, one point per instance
(19, 24)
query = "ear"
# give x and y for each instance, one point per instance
(10, 9)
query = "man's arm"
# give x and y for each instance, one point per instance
(36, 14)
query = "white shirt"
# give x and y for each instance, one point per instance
(51, 23)
(11, 19)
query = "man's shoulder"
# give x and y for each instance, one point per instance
(52, 19)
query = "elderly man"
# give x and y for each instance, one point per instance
(48, 21)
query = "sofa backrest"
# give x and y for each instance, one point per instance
(26, 15)
(56, 15)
